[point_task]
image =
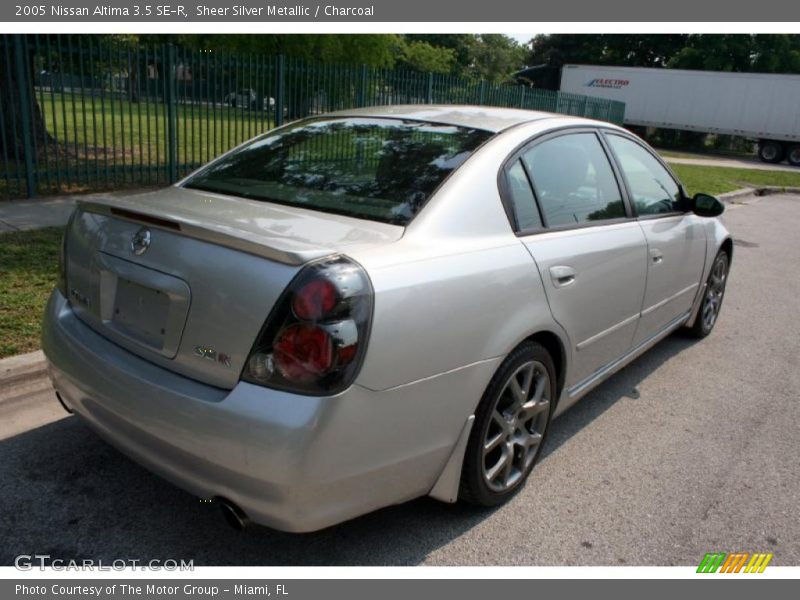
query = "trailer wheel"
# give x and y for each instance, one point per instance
(770, 151)
(793, 155)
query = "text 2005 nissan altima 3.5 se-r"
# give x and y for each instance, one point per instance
(373, 305)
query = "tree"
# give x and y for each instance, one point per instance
(765, 53)
(743, 53)
(19, 76)
(633, 50)
(375, 50)
(422, 56)
(726, 52)
(496, 57)
(776, 53)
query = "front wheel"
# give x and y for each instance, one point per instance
(712, 297)
(511, 423)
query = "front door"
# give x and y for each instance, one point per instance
(676, 240)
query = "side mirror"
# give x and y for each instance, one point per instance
(704, 205)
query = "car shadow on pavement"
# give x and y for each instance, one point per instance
(68, 494)
(623, 384)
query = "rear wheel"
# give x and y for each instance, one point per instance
(793, 155)
(510, 426)
(712, 297)
(770, 151)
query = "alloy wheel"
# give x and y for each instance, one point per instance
(715, 290)
(516, 428)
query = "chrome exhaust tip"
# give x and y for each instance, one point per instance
(233, 515)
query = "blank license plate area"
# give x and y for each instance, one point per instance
(141, 312)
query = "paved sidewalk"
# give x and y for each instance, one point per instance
(19, 368)
(21, 215)
(33, 214)
(735, 163)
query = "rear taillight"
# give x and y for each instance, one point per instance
(314, 340)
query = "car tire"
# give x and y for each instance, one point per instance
(713, 295)
(510, 428)
(770, 151)
(793, 155)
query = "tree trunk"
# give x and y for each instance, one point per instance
(13, 90)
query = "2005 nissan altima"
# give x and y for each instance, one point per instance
(370, 306)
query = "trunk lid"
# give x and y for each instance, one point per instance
(186, 279)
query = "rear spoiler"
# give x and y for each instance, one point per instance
(274, 248)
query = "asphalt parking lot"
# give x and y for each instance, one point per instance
(693, 448)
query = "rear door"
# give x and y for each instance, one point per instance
(676, 239)
(590, 252)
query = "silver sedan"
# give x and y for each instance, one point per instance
(365, 307)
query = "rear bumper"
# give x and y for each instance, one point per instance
(291, 462)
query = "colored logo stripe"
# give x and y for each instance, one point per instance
(758, 563)
(711, 562)
(734, 562)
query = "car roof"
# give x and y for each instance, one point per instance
(489, 118)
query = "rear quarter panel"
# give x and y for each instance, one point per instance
(439, 313)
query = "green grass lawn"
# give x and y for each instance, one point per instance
(109, 142)
(28, 272)
(139, 130)
(707, 153)
(718, 180)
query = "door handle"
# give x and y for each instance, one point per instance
(562, 275)
(656, 256)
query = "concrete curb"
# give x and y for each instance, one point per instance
(21, 368)
(759, 191)
(730, 196)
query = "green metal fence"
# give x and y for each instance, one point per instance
(80, 113)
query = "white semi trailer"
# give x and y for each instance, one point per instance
(761, 106)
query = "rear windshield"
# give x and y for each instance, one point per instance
(371, 168)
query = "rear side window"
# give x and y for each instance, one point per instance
(573, 180)
(382, 169)
(524, 204)
(653, 190)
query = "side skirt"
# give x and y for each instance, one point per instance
(581, 388)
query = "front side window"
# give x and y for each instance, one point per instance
(653, 191)
(573, 180)
(382, 169)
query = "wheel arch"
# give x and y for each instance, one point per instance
(727, 247)
(714, 232)
(447, 484)
(557, 350)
